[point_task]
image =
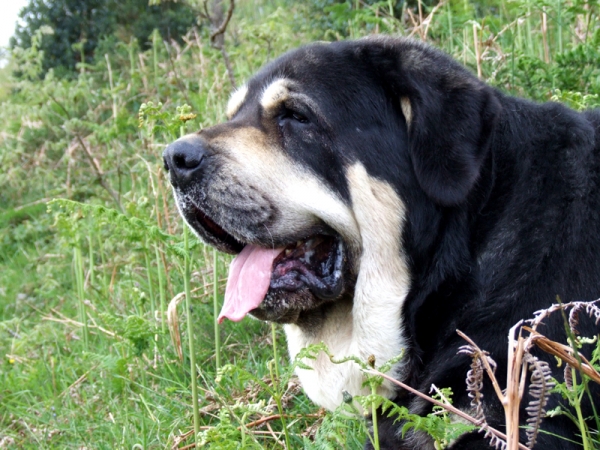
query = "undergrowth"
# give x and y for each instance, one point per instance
(95, 345)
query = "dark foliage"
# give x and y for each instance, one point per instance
(88, 22)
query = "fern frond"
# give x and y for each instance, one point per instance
(539, 389)
(474, 386)
(495, 441)
(568, 373)
(475, 377)
(593, 310)
(574, 317)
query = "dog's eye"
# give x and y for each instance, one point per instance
(299, 117)
(294, 115)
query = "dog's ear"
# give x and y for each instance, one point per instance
(450, 117)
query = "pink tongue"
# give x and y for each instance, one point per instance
(248, 282)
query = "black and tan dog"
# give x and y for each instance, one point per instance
(380, 197)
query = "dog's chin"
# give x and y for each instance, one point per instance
(285, 306)
(306, 275)
(296, 307)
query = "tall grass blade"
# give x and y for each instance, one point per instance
(188, 308)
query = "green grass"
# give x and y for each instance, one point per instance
(86, 358)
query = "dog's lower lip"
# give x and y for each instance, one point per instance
(215, 230)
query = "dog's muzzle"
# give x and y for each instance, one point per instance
(272, 280)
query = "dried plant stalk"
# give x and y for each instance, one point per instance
(491, 433)
(519, 360)
(173, 322)
(591, 308)
(564, 352)
(515, 385)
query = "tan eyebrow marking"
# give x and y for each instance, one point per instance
(236, 100)
(274, 94)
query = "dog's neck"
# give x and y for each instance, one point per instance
(371, 324)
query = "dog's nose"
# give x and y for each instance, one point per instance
(184, 160)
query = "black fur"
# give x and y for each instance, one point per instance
(501, 194)
(510, 223)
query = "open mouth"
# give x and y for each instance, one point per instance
(315, 262)
(215, 234)
(269, 279)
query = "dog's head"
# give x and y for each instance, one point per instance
(323, 150)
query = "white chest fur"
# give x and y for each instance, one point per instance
(372, 324)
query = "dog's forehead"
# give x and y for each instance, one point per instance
(299, 70)
(300, 64)
(317, 70)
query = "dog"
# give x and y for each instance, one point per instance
(379, 197)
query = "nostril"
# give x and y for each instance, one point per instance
(179, 161)
(165, 163)
(187, 161)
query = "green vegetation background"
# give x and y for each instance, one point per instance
(87, 359)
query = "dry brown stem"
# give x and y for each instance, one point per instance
(223, 26)
(67, 321)
(564, 352)
(420, 24)
(217, 37)
(515, 385)
(519, 360)
(253, 424)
